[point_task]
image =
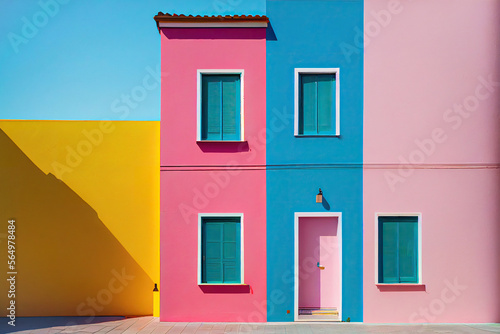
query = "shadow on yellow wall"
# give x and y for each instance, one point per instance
(67, 261)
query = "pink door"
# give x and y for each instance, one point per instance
(319, 263)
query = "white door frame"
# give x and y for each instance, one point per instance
(296, 250)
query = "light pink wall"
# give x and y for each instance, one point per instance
(430, 57)
(460, 245)
(422, 61)
(185, 194)
(318, 242)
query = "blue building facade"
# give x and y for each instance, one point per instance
(305, 38)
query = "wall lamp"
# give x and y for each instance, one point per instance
(319, 196)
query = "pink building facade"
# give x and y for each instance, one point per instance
(190, 192)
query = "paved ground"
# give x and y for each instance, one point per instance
(152, 325)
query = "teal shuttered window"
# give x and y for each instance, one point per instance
(398, 249)
(221, 250)
(317, 103)
(221, 107)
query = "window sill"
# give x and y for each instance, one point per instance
(401, 287)
(222, 284)
(223, 146)
(309, 136)
(225, 288)
(399, 284)
(221, 141)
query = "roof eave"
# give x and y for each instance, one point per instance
(234, 21)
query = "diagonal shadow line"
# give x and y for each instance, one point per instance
(68, 262)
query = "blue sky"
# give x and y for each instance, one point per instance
(89, 60)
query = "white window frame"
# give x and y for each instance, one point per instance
(199, 74)
(242, 263)
(333, 70)
(419, 243)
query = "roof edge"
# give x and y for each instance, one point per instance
(228, 21)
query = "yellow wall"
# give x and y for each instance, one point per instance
(85, 197)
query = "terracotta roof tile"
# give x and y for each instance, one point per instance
(206, 18)
(181, 18)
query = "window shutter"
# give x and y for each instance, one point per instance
(231, 253)
(308, 104)
(398, 249)
(231, 114)
(221, 250)
(408, 252)
(211, 107)
(388, 254)
(212, 255)
(326, 103)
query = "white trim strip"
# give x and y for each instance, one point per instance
(400, 214)
(332, 70)
(213, 24)
(199, 74)
(242, 262)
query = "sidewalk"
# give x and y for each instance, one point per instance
(114, 325)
